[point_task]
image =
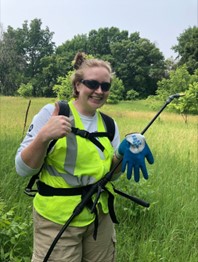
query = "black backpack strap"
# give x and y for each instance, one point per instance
(65, 110)
(109, 122)
(110, 125)
(91, 136)
(29, 188)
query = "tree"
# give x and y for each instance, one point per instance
(23, 50)
(136, 61)
(63, 89)
(25, 90)
(1, 31)
(170, 64)
(37, 46)
(96, 43)
(139, 64)
(29, 55)
(116, 91)
(180, 81)
(189, 103)
(99, 42)
(132, 95)
(187, 48)
(12, 64)
(66, 52)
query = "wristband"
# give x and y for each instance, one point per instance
(118, 155)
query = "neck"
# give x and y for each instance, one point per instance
(83, 111)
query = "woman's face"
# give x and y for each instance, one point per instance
(89, 100)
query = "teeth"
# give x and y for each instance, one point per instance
(96, 98)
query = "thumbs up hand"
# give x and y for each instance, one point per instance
(57, 127)
(56, 110)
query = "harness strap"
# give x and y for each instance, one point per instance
(28, 190)
(46, 190)
(83, 133)
(65, 110)
(111, 208)
(110, 125)
(90, 136)
(89, 205)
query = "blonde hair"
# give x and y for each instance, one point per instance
(81, 63)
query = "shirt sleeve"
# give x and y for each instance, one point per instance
(116, 140)
(37, 123)
(115, 144)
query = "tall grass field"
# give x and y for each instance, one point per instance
(166, 231)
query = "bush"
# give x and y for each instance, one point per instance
(180, 81)
(13, 236)
(63, 89)
(116, 91)
(132, 95)
(25, 90)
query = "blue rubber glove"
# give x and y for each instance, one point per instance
(134, 150)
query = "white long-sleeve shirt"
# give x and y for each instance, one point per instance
(39, 120)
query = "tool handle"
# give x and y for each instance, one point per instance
(133, 198)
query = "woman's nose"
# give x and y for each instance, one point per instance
(99, 89)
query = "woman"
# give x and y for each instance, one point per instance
(73, 162)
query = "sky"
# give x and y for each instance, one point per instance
(160, 21)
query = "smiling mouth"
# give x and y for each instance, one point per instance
(96, 98)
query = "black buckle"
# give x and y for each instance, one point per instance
(82, 133)
(29, 191)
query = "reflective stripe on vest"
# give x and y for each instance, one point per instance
(76, 168)
(82, 166)
(70, 178)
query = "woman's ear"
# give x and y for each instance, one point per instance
(77, 86)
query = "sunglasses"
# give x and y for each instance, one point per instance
(93, 85)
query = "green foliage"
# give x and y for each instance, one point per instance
(11, 65)
(187, 48)
(170, 64)
(116, 91)
(63, 90)
(25, 90)
(177, 82)
(180, 81)
(99, 42)
(139, 63)
(136, 61)
(166, 231)
(22, 51)
(132, 95)
(28, 54)
(189, 103)
(13, 236)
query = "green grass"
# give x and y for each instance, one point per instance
(166, 231)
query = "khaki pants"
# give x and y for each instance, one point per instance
(76, 243)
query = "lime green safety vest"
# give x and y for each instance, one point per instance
(74, 162)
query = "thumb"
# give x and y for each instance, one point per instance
(56, 110)
(149, 155)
